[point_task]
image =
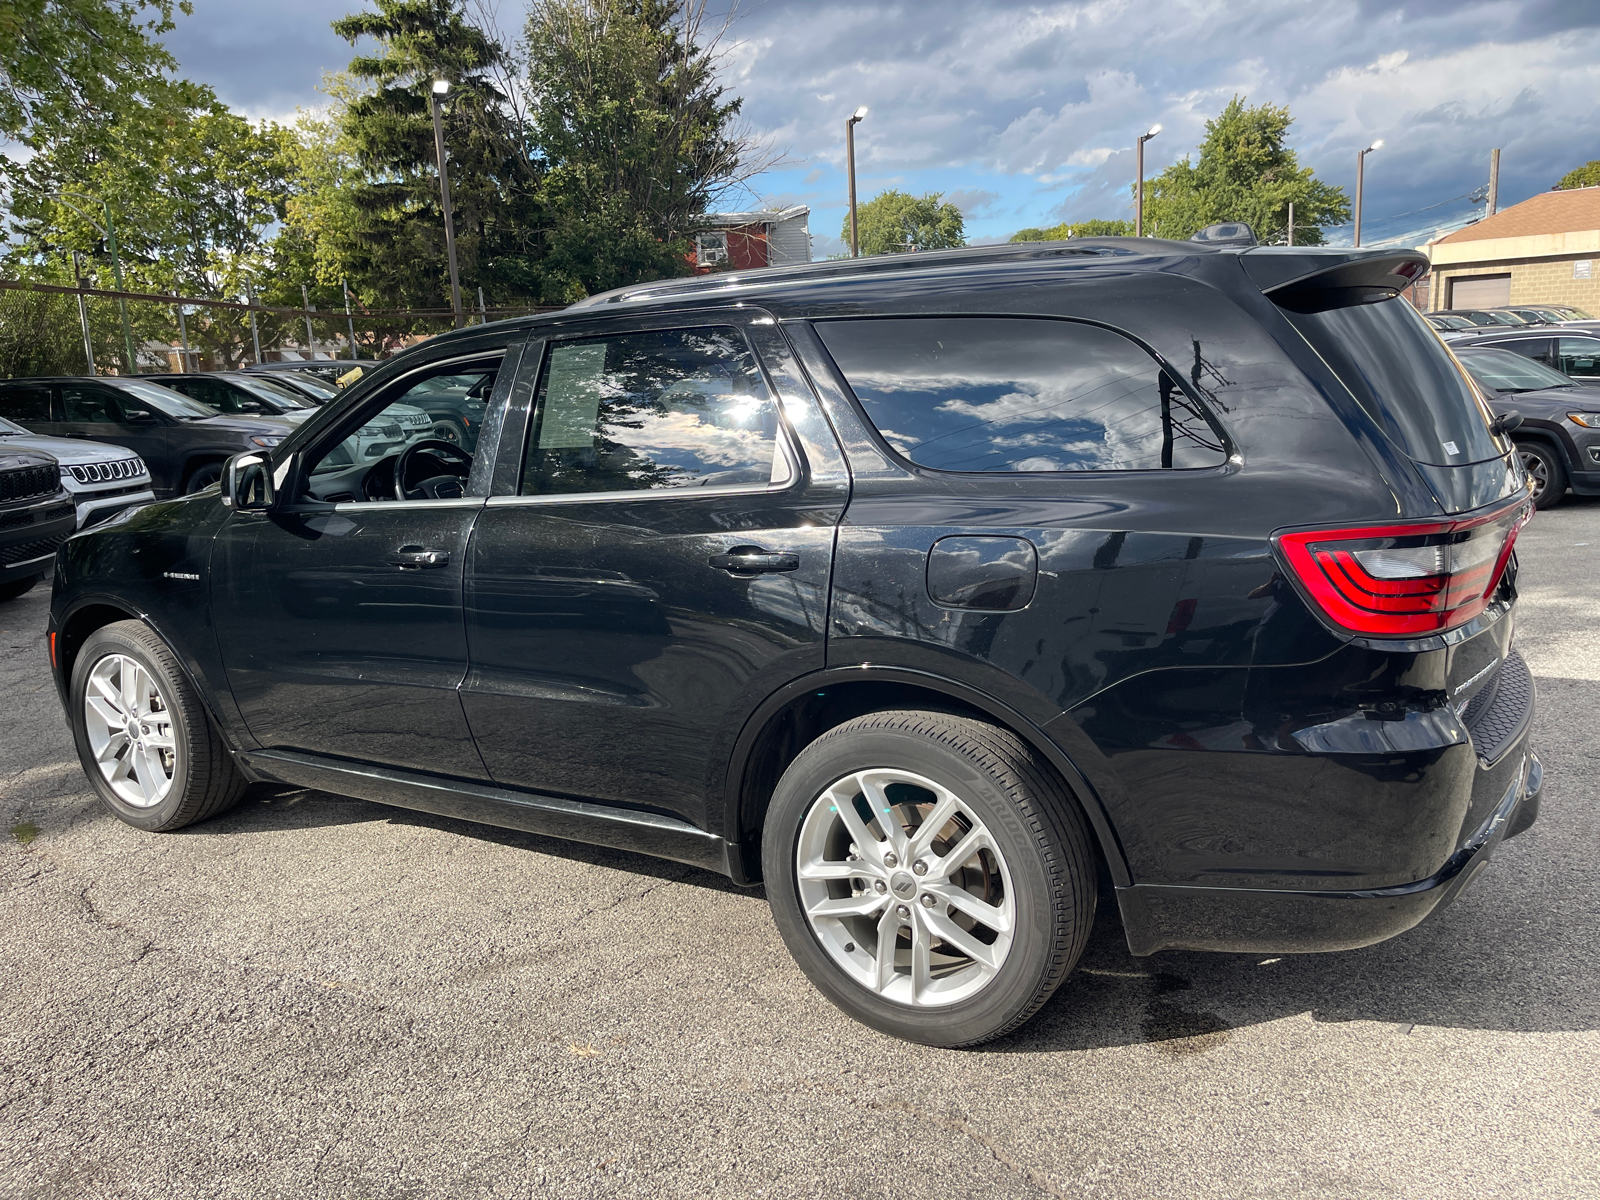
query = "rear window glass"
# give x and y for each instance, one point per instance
(1003, 394)
(1394, 365)
(22, 402)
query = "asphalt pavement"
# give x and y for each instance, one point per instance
(320, 997)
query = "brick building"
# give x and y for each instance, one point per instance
(1544, 250)
(744, 241)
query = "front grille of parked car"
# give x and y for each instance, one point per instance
(29, 483)
(418, 419)
(108, 472)
(27, 550)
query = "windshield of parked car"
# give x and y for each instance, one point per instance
(1503, 371)
(7, 429)
(1452, 322)
(1505, 318)
(273, 393)
(1575, 314)
(1399, 371)
(319, 390)
(164, 399)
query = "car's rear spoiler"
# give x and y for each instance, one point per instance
(1311, 283)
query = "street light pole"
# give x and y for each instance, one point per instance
(441, 87)
(850, 157)
(1138, 187)
(1361, 178)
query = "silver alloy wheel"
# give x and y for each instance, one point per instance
(905, 888)
(130, 731)
(1537, 471)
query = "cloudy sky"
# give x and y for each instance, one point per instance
(1025, 113)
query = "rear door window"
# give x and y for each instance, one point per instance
(1004, 394)
(25, 402)
(1398, 370)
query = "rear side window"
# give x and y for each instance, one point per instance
(25, 402)
(1398, 370)
(1005, 394)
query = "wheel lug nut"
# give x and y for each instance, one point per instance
(902, 910)
(889, 860)
(928, 901)
(920, 868)
(880, 887)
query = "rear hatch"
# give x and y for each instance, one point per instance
(1423, 577)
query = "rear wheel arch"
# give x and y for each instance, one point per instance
(795, 716)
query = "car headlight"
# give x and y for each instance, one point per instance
(1587, 420)
(266, 440)
(66, 472)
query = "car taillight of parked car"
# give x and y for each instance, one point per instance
(1405, 580)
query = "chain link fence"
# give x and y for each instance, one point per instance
(49, 329)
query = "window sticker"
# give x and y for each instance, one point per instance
(572, 399)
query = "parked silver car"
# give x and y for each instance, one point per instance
(103, 480)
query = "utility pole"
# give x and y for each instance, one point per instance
(83, 313)
(1361, 172)
(183, 333)
(1291, 222)
(1494, 181)
(255, 335)
(344, 286)
(850, 159)
(483, 309)
(1138, 187)
(305, 303)
(441, 87)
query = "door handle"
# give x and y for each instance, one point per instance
(415, 558)
(753, 560)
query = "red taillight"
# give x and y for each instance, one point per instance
(1400, 580)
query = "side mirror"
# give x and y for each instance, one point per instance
(1505, 424)
(247, 483)
(138, 416)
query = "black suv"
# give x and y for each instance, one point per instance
(184, 443)
(36, 515)
(931, 590)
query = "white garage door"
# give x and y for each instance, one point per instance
(1480, 291)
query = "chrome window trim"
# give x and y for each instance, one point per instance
(344, 506)
(738, 489)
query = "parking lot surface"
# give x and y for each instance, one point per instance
(314, 996)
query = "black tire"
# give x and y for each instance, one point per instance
(205, 781)
(202, 476)
(1545, 469)
(445, 430)
(1029, 813)
(18, 587)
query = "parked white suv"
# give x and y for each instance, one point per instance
(103, 480)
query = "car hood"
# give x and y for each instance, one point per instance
(70, 451)
(1548, 400)
(273, 426)
(14, 456)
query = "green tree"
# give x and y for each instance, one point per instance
(1245, 172)
(1587, 175)
(894, 221)
(387, 229)
(1079, 229)
(71, 62)
(638, 138)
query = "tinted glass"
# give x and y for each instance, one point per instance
(1018, 394)
(1504, 371)
(216, 395)
(1579, 356)
(91, 404)
(273, 393)
(670, 409)
(25, 402)
(162, 399)
(1407, 381)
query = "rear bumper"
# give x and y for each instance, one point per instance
(1247, 920)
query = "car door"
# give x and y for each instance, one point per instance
(1579, 358)
(102, 414)
(339, 611)
(654, 562)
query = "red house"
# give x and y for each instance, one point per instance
(747, 240)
